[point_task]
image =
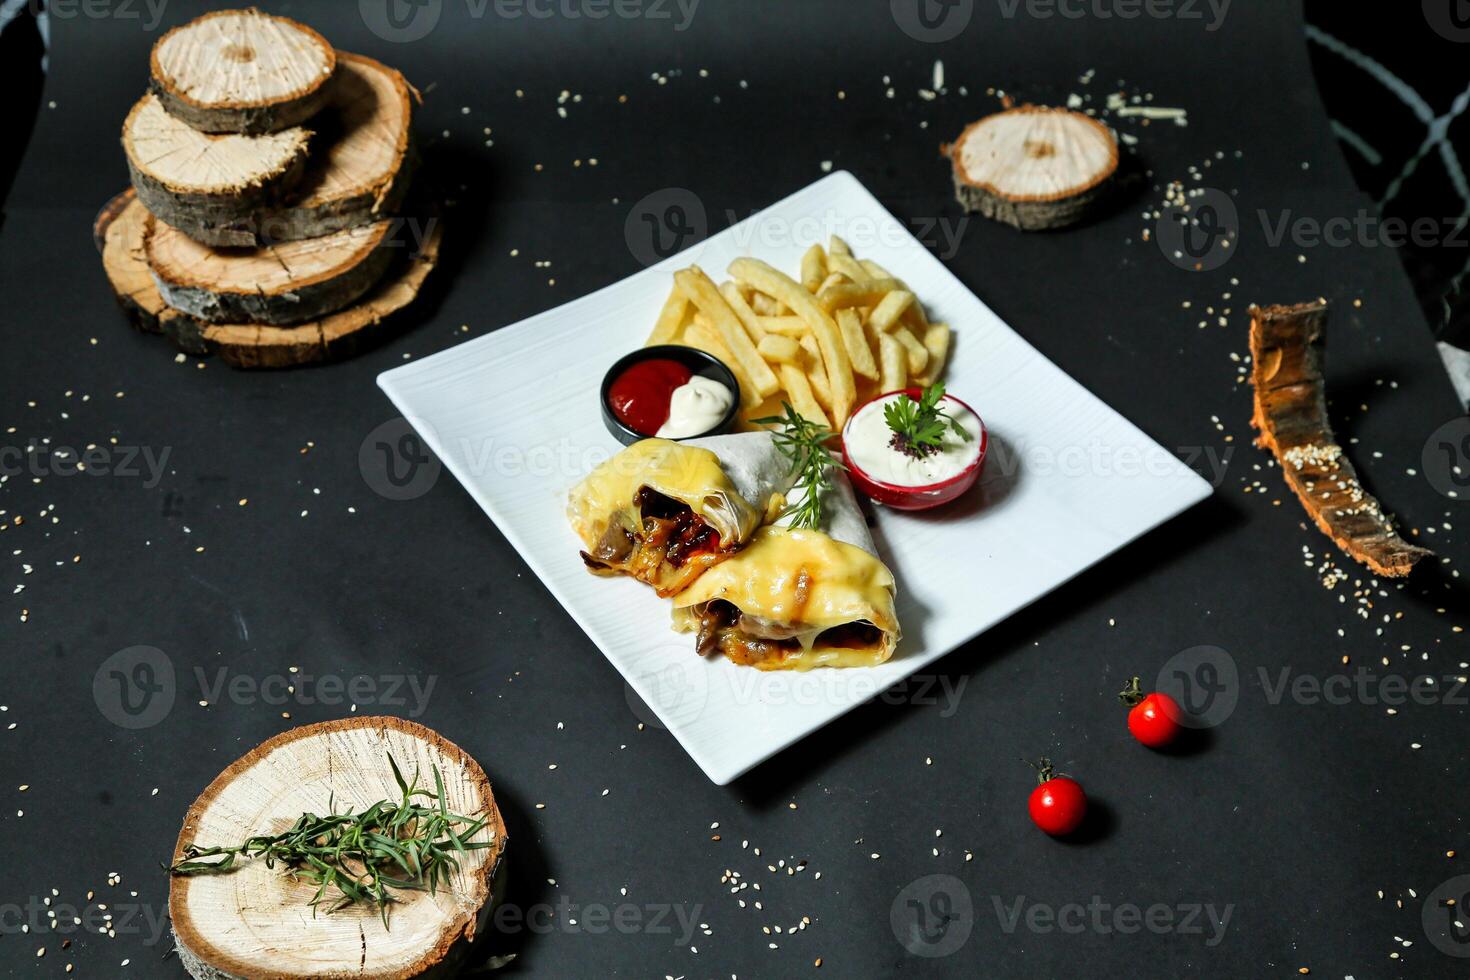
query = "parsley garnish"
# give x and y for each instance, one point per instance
(804, 443)
(919, 426)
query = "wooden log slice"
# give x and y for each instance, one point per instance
(119, 235)
(291, 282)
(242, 71)
(1034, 167)
(1291, 413)
(253, 922)
(361, 164)
(201, 183)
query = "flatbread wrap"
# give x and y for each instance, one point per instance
(666, 512)
(795, 599)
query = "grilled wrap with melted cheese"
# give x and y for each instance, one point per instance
(665, 512)
(794, 599)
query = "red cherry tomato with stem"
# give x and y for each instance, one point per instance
(1057, 804)
(1153, 718)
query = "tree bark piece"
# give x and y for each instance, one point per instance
(277, 284)
(361, 163)
(253, 922)
(242, 71)
(119, 236)
(1287, 344)
(200, 183)
(1034, 167)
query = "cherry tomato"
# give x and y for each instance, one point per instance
(1153, 718)
(1057, 804)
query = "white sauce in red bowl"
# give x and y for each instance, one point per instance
(868, 442)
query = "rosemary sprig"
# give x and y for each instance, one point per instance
(919, 426)
(402, 845)
(804, 443)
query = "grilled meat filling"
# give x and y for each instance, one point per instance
(669, 533)
(749, 640)
(673, 527)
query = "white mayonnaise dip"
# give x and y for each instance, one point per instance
(868, 440)
(696, 406)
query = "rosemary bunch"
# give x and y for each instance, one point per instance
(804, 443)
(359, 857)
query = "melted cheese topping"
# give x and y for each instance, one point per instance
(690, 475)
(842, 584)
(808, 658)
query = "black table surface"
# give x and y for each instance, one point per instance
(1320, 829)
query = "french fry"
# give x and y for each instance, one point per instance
(801, 396)
(856, 342)
(785, 326)
(815, 372)
(894, 363)
(767, 408)
(848, 328)
(869, 293)
(833, 279)
(936, 341)
(849, 267)
(699, 290)
(704, 337)
(871, 332)
(918, 354)
(813, 267)
(743, 312)
(829, 337)
(888, 311)
(779, 350)
(700, 334)
(914, 315)
(670, 319)
(765, 305)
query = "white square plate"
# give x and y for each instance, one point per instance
(514, 415)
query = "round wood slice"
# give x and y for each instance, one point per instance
(291, 282)
(1034, 167)
(242, 71)
(200, 183)
(254, 922)
(119, 236)
(359, 171)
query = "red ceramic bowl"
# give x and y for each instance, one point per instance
(900, 497)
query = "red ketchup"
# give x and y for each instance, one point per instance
(640, 395)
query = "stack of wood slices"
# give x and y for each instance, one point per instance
(266, 219)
